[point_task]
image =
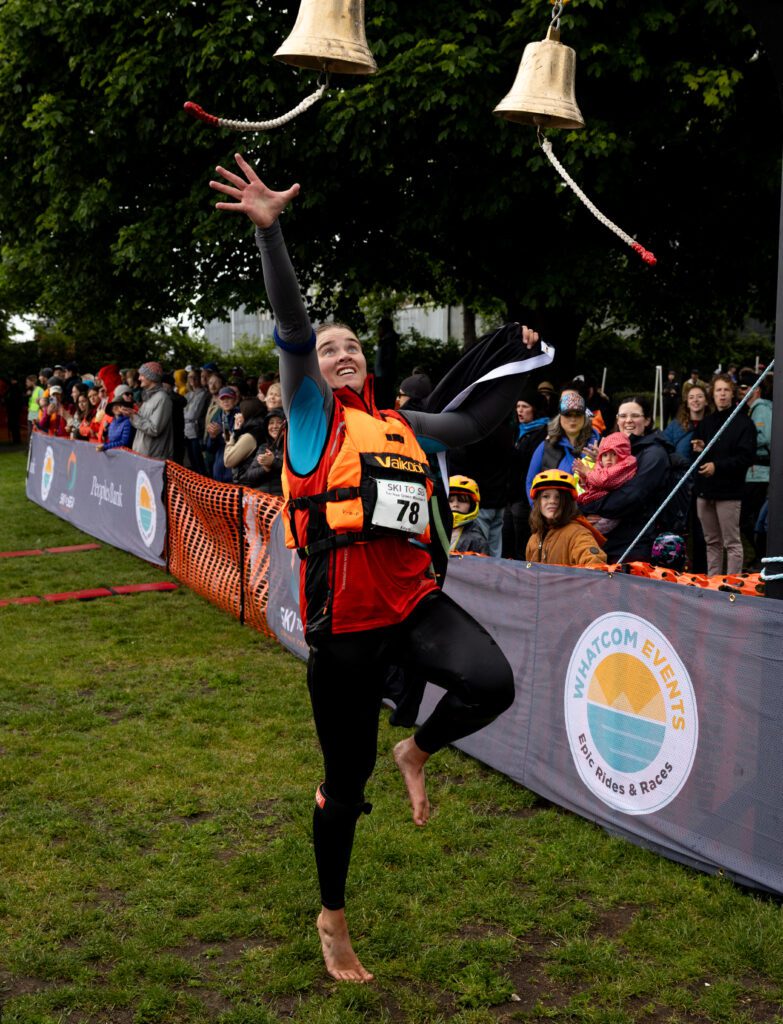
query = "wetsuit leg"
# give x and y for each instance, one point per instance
(457, 653)
(345, 675)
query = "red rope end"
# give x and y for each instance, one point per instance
(647, 256)
(198, 112)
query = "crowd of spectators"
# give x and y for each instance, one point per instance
(231, 428)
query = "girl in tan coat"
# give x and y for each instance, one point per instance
(559, 535)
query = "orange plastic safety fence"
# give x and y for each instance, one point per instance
(218, 536)
(749, 583)
(204, 536)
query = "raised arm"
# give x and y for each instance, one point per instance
(307, 399)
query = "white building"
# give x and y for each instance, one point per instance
(441, 323)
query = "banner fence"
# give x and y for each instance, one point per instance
(652, 709)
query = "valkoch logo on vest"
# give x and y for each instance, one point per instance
(397, 462)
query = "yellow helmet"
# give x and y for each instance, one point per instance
(464, 487)
(553, 479)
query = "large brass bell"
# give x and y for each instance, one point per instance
(329, 36)
(543, 93)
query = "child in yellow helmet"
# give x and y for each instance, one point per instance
(559, 535)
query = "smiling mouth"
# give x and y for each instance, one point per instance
(345, 370)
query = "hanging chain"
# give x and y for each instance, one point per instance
(557, 10)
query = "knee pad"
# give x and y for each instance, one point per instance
(334, 810)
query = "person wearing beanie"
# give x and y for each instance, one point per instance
(414, 392)
(153, 422)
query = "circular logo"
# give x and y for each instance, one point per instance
(70, 471)
(146, 518)
(630, 714)
(47, 473)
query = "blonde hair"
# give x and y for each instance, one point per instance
(333, 323)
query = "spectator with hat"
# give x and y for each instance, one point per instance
(52, 419)
(547, 389)
(152, 423)
(119, 433)
(693, 381)
(220, 431)
(570, 435)
(413, 393)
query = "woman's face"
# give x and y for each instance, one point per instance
(274, 397)
(75, 393)
(550, 503)
(696, 400)
(274, 426)
(214, 384)
(83, 402)
(631, 419)
(341, 359)
(94, 396)
(525, 413)
(194, 380)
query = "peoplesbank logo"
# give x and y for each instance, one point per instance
(146, 518)
(47, 473)
(630, 714)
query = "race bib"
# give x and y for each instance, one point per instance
(401, 506)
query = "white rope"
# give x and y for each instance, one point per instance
(257, 126)
(650, 522)
(646, 255)
(778, 576)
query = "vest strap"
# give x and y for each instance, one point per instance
(336, 494)
(339, 540)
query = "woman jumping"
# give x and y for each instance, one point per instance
(358, 489)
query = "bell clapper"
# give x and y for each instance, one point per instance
(645, 254)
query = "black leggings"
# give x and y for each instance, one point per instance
(345, 677)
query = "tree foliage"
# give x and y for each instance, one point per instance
(408, 181)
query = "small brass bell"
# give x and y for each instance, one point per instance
(329, 36)
(543, 93)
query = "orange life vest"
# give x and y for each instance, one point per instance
(379, 477)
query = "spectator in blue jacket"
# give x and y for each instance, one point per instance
(120, 431)
(570, 435)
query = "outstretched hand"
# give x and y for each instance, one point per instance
(250, 194)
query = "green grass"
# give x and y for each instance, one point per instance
(157, 769)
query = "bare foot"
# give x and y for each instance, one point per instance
(341, 961)
(410, 759)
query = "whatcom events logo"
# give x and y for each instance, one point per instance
(47, 473)
(630, 714)
(146, 516)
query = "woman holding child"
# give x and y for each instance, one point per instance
(633, 502)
